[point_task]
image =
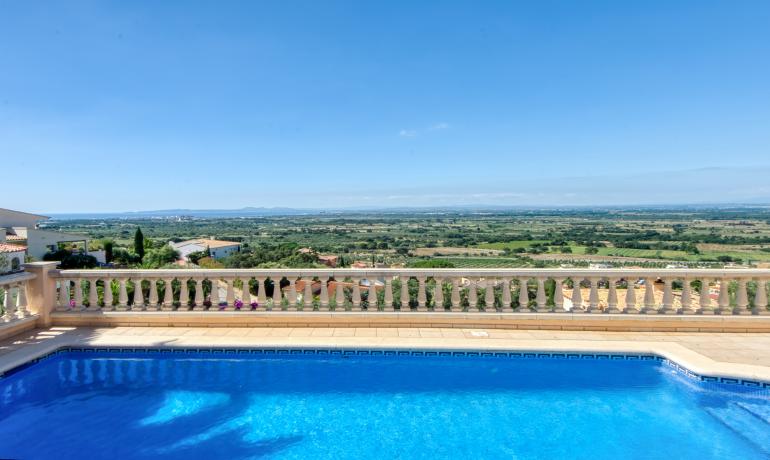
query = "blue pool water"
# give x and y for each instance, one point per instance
(143, 405)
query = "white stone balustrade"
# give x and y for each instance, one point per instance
(576, 291)
(13, 297)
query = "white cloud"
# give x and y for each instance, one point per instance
(439, 126)
(407, 133)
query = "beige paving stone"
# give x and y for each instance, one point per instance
(408, 332)
(322, 332)
(387, 332)
(366, 332)
(344, 332)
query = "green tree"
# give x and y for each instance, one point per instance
(109, 246)
(139, 243)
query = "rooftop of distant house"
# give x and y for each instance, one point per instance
(208, 243)
(5, 247)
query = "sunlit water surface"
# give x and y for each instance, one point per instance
(99, 405)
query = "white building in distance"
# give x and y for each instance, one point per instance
(217, 248)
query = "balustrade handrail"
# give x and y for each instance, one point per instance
(414, 272)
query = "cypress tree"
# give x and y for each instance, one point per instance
(139, 243)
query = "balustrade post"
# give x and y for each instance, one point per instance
(108, 294)
(138, 303)
(422, 297)
(388, 294)
(277, 294)
(489, 296)
(230, 294)
(540, 298)
(593, 296)
(168, 294)
(456, 306)
(612, 296)
(577, 297)
(473, 297)
(760, 298)
(724, 298)
(355, 297)
(558, 295)
(214, 294)
(742, 298)
(668, 297)
(307, 293)
(79, 294)
(93, 295)
(371, 298)
(10, 310)
(650, 306)
(21, 300)
(404, 293)
(245, 293)
(438, 294)
(63, 303)
(324, 297)
(523, 296)
(122, 294)
(339, 296)
(706, 308)
(630, 297)
(686, 300)
(200, 298)
(184, 294)
(261, 294)
(506, 297)
(292, 297)
(153, 302)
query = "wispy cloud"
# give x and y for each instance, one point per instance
(439, 126)
(407, 133)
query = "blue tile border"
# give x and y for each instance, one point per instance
(421, 353)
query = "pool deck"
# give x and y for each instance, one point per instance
(738, 355)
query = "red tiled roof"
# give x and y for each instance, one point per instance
(15, 238)
(5, 247)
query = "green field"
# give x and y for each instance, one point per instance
(511, 244)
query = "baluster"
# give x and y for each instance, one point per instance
(79, 294)
(631, 296)
(577, 297)
(422, 297)
(356, 296)
(523, 296)
(230, 294)
(438, 294)
(214, 295)
(388, 294)
(668, 297)
(292, 297)
(108, 294)
(184, 294)
(307, 296)
(122, 294)
(200, 299)
(339, 296)
(404, 293)
(473, 298)
(168, 294)
(705, 298)
(456, 295)
(650, 308)
(64, 295)
(593, 296)
(138, 303)
(506, 297)
(277, 293)
(324, 298)
(10, 311)
(742, 298)
(245, 293)
(686, 300)
(612, 296)
(540, 298)
(489, 295)
(760, 298)
(724, 297)
(153, 302)
(261, 294)
(21, 301)
(558, 295)
(371, 298)
(93, 295)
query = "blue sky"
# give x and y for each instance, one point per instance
(116, 106)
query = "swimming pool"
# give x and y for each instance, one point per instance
(240, 404)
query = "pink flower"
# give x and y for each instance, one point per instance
(238, 304)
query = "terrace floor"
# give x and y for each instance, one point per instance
(742, 355)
